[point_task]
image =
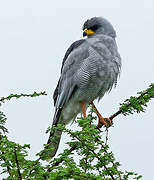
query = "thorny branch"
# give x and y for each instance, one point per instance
(35, 94)
(120, 111)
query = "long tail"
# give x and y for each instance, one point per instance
(53, 143)
(55, 136)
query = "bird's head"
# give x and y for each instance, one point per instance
(98, 25)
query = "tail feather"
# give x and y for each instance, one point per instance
(53, 142)
(55, 136)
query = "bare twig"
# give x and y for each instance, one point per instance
(102, 146)
(106, 138)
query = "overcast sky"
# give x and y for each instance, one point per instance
(34, 36)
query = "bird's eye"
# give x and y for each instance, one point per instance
(94, 28)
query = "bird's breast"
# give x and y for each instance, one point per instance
(96, 75)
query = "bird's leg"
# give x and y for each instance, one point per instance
(83, 109)
(101, 119)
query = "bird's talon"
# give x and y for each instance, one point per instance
(109, 121)
(105, 121)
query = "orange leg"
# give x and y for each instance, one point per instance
(101, 119)
(83, 109)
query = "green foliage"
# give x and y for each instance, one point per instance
(95, 160)
(35, 94)
(138, 104)
(3, 119)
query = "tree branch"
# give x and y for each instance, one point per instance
(8, 168)
(112, 177)
(142, 100)
(35, 94)
(30, 172)
(17, 163)
(61, 159)
(4, 159)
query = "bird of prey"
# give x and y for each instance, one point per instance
(90, 68)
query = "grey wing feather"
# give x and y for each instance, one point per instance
(63, 92)
(68, 84)
(65, 95)
(73, 46)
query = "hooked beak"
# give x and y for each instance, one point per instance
(87, 32)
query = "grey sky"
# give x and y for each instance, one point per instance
(34, 36)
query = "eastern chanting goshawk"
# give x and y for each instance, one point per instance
(90, 68)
